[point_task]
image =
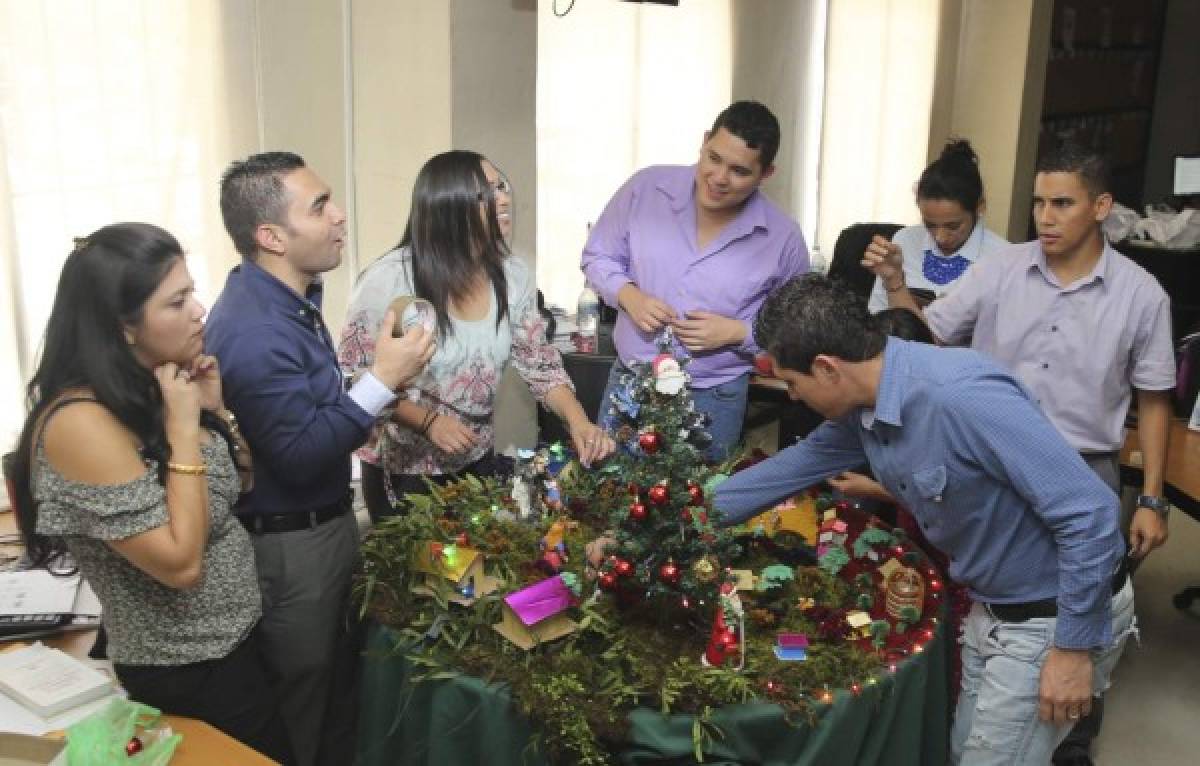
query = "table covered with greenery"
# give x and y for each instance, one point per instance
(811, 634)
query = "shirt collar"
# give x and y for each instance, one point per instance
(272, 289)
(970, 249)
(1101, 272)
(680, 188)
(889, 399)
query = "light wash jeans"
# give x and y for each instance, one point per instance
(725, 404)
(997, 717)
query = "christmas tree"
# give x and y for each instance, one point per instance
(665, 547)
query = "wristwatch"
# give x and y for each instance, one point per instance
(1156, 503)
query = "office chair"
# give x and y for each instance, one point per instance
(848, 251)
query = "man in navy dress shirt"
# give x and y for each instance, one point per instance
(280, 377)
(1027, 526)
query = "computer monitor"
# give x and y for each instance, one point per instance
(1187, 175)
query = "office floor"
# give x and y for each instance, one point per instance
(1152, 717)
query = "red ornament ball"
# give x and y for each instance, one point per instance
(650, 442)
(622, 567)
(695, 494)
(133, 746)
(638, 512)
(669, 573)
(608, 581)
(659, 494)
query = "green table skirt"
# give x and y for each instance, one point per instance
(463, 721)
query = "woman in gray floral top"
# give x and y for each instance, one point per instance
(130, 461)
(455, 256)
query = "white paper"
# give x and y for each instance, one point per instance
(1187, 176)
(37, 591)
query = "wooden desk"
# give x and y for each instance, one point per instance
(1183, 467)
(202, 745)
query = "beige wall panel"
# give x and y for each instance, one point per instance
(401, 62)
(1001, 73)
(303, 102)
(494, 76)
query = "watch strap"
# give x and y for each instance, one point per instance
(1156, 503)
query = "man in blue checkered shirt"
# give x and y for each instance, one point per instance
(1027, 526)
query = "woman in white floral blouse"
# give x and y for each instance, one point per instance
(454, 254)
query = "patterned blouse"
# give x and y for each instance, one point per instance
(149, 623)
(462, 378)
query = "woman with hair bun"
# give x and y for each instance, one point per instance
(951, 236)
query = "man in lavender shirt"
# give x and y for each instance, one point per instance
(1082, 326)
(697, 249)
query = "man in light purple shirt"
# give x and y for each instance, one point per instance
(1082, 326)
(698, 249)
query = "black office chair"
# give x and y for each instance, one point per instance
(848, 251)
(589, 373)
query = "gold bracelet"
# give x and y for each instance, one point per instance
(187, 470)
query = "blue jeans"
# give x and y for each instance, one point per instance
(997, 717)
(724, 403)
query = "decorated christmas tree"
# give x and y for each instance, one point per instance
(666, 547)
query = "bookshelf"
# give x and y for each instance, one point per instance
(1101, 77)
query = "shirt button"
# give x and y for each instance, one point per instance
(1054, 328)
(1045, 366)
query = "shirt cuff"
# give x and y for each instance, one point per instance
(1083, 632)
(370, 394)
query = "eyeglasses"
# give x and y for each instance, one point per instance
(502, 186)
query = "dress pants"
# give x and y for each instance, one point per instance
(311, 636)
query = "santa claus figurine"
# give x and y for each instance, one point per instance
(668, 375)
(725, 642)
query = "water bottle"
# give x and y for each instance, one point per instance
(587, 319)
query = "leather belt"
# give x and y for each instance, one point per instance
(1048, 607)
(278, 523)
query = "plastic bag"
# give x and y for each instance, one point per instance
(104, 738)
(1166, 228)
(1120, 223)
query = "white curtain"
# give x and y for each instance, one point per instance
(880, 57)
(112, 110)
(619, 86)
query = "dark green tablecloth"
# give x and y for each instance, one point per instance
(461, 722)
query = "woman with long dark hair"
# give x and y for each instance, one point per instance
(951, 236)
(129, 460)
(454, 254)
